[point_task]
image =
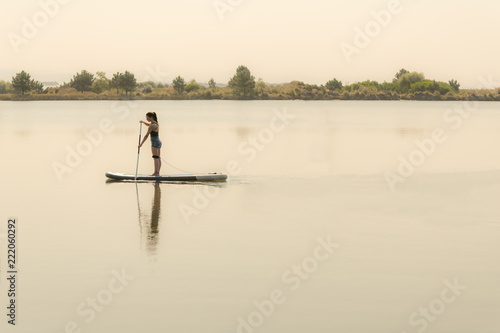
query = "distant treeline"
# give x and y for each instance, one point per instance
(84, 85)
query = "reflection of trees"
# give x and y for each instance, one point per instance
(243, 132)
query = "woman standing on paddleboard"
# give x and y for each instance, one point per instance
(153, 129)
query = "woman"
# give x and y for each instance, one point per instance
(155, 140)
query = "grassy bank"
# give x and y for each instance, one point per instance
(405, 85)
(290, 91)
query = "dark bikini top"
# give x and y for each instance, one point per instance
(154, 133)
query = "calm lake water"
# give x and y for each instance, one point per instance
(337, 217)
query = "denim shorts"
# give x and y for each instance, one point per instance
(155, 142)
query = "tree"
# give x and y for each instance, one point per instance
(82, 81)
(101, 83)
(5, 87)
(406, 80)
(178, 83)
(243, 82)
(192, 86)
(128, 82)
(212, 84)
(399, 75)
(260, 86)
(115, 82)
(334, 85)
(37, 86)
(455, 85)
(22, 82)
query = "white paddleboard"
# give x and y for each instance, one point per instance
(210, 177)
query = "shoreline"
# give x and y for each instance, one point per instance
(490, 97)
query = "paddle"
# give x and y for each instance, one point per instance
(138, 152)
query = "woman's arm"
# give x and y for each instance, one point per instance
(145, 137)
(145, 123)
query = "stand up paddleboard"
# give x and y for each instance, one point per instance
(211, 177)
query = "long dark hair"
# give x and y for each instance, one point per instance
(152, 115)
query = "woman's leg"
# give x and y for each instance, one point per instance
(157, 161)
(154, 160)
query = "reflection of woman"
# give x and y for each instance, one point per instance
(153, 130)
(155, 219)
(150, 227)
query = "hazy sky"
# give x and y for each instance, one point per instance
(279, 40)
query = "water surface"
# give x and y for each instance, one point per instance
(203, 255)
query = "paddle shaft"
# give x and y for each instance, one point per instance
(138, 152)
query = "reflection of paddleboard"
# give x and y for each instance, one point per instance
(170, 178)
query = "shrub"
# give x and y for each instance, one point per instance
(431, 86)
(334, 85)
(192, 86)
(406, 80)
